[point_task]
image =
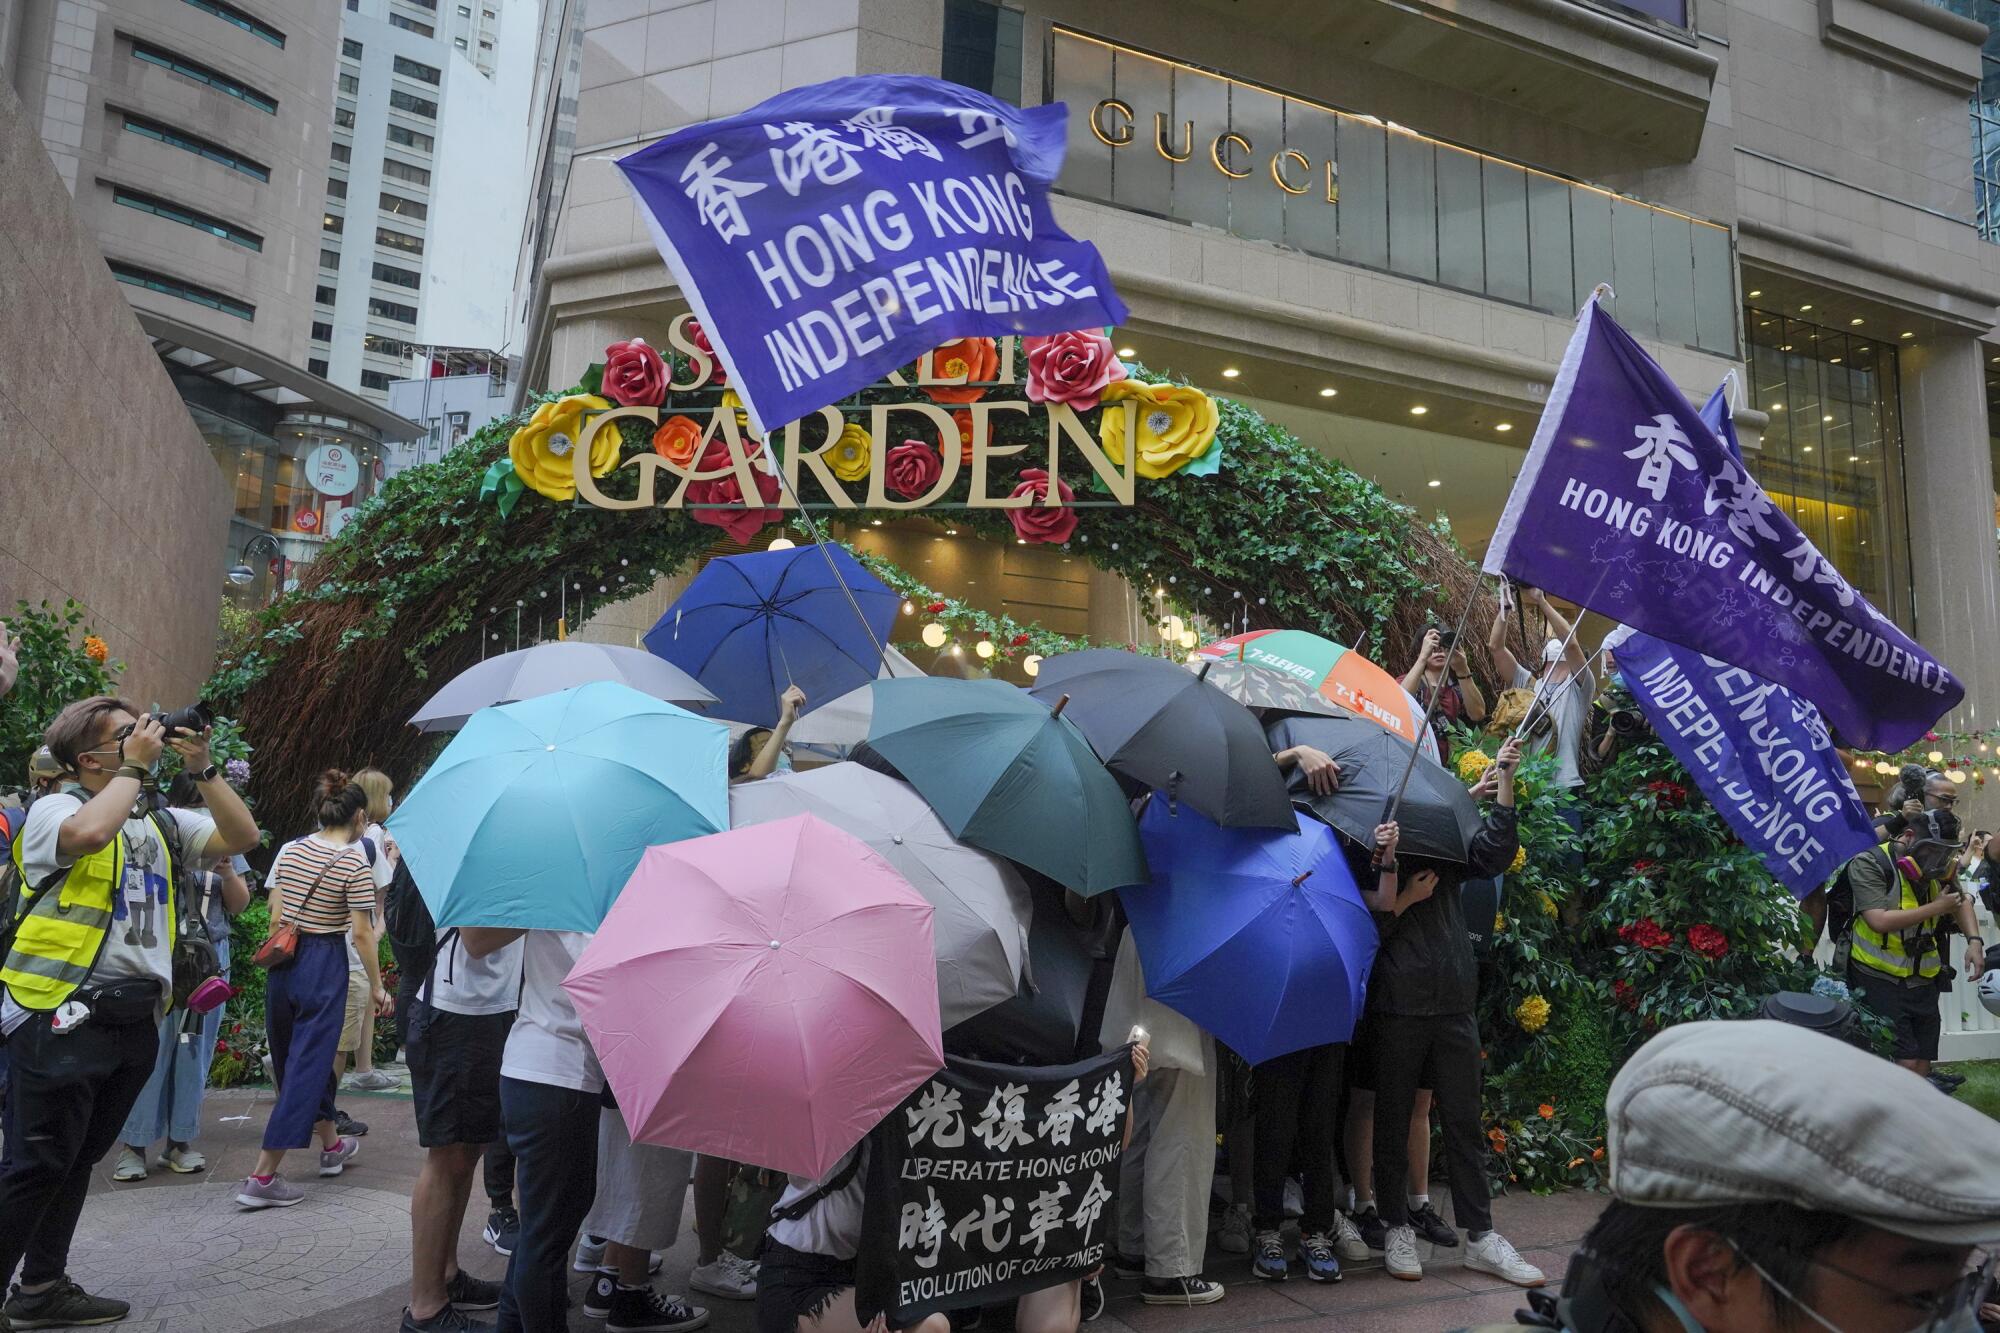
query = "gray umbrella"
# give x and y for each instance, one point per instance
(1263, 687)
(981, 905)
(549, 667)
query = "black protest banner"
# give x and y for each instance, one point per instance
(991, 1181)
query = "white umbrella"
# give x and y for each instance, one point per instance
(549, 667)
(842, 723)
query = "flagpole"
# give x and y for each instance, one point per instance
(1395, 803)
(1542, 694)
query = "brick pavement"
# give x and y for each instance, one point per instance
(192, 1262)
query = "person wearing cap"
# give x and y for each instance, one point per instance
(1767, 1178)
(1564, 685)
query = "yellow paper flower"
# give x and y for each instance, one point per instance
(730, 399)
(1548, 905)
(1532, 1014)
(542, 449)
(1176, 425)
(850, 453)
(1472, 763)
(1520, 861)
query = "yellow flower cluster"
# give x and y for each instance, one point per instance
(1520, 861)
(1176, 425)
(1472, 763)
(543, 449)
(1532, 1014)
(851, 453)
(1499, 923)
(1548, 905)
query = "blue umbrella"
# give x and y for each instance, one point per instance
(1259, 937)
(749, 625)
(537, 812)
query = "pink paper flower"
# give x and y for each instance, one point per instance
(634, 374)
(1036, 522)
(1071, 368)
(912, 468)
(718, 377)
(741, 522)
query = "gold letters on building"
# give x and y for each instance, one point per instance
(1230, 152)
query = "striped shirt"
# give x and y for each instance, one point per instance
(346, 885)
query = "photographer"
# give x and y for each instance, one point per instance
(1616, 719)
(1563, 683)
(1441, 670)
(87, 986)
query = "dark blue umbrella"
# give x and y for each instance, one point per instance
(749, 625)
(1259, 937)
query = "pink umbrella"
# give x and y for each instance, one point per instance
(766, 994)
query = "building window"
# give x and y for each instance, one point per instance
(317, 365)
(459, 42)
(350, 48)
(232, 15)
(374, 379)
(323, 294)
(402, 314)
(409, 138)
(982, 47)
(376, 343)
(423, 4)
(191, 143)
(408, 208)
(202, 74)
(410, 102)
(397, 240)
(403, 171)
(418, 70)
(485, 45)
(187, 217)
(336, 188)
(400, 277)
(329, 258)
(343, 152)
(465, 11)
(350, 84)
(186, 291)
(343, 117)
(322, 331)
(411, 25)
(334, 223)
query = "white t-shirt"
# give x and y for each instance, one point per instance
(1569, 705)
(136, 944)
(462, 984)
(833, 1226)
(547, 1044)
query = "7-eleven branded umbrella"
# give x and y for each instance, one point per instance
(1339, 674)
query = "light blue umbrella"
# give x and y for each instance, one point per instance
(537, 812)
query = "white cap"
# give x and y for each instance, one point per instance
(1552, 651)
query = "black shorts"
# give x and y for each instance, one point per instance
(455, 1074)
(1911, 1010)
(795, 1284)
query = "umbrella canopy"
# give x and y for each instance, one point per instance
(1043, 1023)
(1007, 774)
(549, 667)
(1156, 724)
(981, 904)
(1256, 686)
(1337, 672)
(1438, 816)
(765, 995)
(535, 814)
(750, 625)
(1259, 937)
(842, 723)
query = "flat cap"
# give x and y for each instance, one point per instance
(1763, 1112)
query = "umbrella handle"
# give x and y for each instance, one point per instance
(1203, 673)
(1061, 704)
(1301, 878)
(1375, 862)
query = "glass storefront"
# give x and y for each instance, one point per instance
(1832, 456)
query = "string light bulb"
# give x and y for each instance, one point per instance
(984, 647)
(934, 635)
(958, 650)
(1956, 774)
(781, 544)
(1935, 756)
(1032, 665)
(908, 609)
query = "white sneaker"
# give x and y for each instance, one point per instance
(1399, 1254)
(373, 1080)
(131, 1166)
(589, 1255)
(185, 1160)
(1233, 1236)
(1491, 1253)
(1348, 1246)
(726, 1276)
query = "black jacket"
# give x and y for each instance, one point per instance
(1426, 967)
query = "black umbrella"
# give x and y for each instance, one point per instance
(1171, 730)
(1438, 815)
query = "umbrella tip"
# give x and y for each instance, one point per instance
(1301, 878)
(1203, 673)
(1061, 704)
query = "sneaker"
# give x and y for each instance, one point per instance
(374, 1080)
(589, 1255)
(1348, 1245)
(1374, 1232)
(450, 1319)
(1431, 1227)
(274, 1193)
(184, 1160)
(1195, 1290)
(334, 1160)
(1399, 1254)
(1295, 1198)
(1316, 1253)
(1492, 1254)
(61, 1306)
(503, 1228)
(726, 1276)
(1269, 1263)
(1943, 1085)
(1953, 1080)
(131, 1166)
(1233, 1237)
(1125, 1266)
(643, 1310)
(472, 1293)
(347, 1126)
(1091, 1300)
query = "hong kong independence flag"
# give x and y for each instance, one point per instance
(837, 232)
(1628, 504)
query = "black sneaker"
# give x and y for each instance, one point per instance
(597, 1296)
(61, 1306)
(1126, 1266)
(472, 1293)
(450, 1319)
(1180, 1291)
(1949, 1080)
(503, 1228)
(1433, 1228)
(1092, 1299)
(1374, 1233)
(643, 1310)
(347, 1126)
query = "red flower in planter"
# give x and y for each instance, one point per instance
(1640, 867)
(1646, 933)
(1707, 941)
(1626, 994)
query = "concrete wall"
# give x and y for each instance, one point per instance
(107, 494)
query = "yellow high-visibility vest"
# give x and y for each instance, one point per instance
(61, 931)
(1889, 953)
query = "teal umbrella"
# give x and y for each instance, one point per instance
(1007, 773)
(537, 812)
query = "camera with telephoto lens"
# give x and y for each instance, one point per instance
(194, 719)
(1628, 722)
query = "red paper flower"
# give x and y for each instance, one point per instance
(1707, 941)
(1930, 735)
(912, 468)
(1071, 368)
(1017, 641)
(634, 374)
(1626, 994)
(1646, 933)
(741, 521)
(935, 607)
(1036, 522)
(699, 337)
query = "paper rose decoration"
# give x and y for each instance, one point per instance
(678, 440)
(1176, 425)
(741, 523)
(976, 359)
(849, 455)
(962, 419)
(542, 448)
(1035, 522)
(634, 374)
(1071, 368)
(912, 468)
(699, 337)
(1532, 1014)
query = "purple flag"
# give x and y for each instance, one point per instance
(1629, 504)
(1757, 751)
(837, 232)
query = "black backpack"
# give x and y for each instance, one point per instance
(1840, 894)
(406, 915)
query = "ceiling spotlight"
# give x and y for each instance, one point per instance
(1434, 482)
(1504, 426)
(1230, 372)
(1826, 418)
(1777, 407)
(1127, 351)
(1909, 334)
(874, 522)
(1757, 293)
(1418, 410)
(1807, 306)
(1854, 458)
(1856, 321)
(1805, 448)
(1330, 391)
